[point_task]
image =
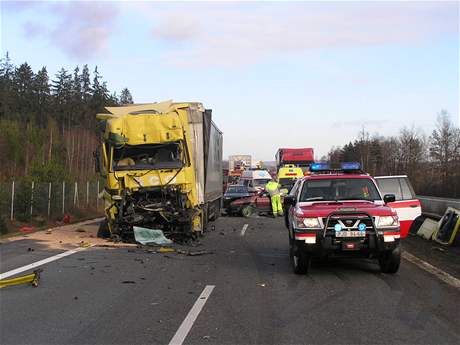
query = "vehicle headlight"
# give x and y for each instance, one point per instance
(311, 223)
(387, 221)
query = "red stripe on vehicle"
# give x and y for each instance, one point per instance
(404, 203)
(391, 233)
(305, 235)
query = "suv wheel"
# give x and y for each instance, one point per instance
(389, 261)
(300, 260)
(248, 211)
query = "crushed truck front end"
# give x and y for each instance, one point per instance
(149, 167)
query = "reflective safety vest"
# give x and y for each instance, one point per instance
(273, 188)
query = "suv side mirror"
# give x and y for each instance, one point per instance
(289, 200)
(389, 198)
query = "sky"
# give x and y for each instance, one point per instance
(276, 74)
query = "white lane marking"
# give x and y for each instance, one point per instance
(243, 231)
(444, 276)
(40, 263)
(191, 317)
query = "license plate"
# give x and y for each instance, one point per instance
(350, 234)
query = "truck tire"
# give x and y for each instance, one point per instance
(103, 231)
(300, 260)
(389, 261)
(248, 211)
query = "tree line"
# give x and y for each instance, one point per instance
(432, 161)
(47, 124)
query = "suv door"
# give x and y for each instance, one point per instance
(407, 206)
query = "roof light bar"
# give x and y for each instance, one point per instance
(350, 166)
(320, 167)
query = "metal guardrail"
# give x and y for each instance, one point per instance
(434, 206)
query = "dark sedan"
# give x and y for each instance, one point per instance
(235, 192)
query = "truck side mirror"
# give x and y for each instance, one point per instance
(289, 200)
(389, 198)
(97, 161)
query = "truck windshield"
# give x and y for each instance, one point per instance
(148, 157)
(339, 189)
(287, 181)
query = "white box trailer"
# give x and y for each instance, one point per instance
(207, 148)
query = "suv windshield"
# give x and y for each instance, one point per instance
(237, 189)
(147, 157)
(339, 189)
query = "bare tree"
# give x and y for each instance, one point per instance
(444, 149)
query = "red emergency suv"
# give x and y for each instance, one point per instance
(341, 212)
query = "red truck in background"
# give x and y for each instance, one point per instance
(302, 157)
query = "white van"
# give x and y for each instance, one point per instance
(255, 179)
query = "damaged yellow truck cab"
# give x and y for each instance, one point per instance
(162, 163)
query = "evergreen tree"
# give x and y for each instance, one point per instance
(6, 76)
(42, 93)
(23, 79)
(125, 97)
(62, 92)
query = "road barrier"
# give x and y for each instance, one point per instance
(436, 207)
(23, 200)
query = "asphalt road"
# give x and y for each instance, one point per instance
(131, 296)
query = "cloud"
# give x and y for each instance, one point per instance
(84, 28)
(34, 29)
(80, 29)
(177, 28)
(226, 35)
(360, 123)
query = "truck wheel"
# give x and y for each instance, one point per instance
(103, 231)
(300, 260)
(389, 261)
(248, 211)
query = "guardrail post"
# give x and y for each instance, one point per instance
(75, 194)
(63, 197)
(49, 199)
(32, 198)
(97, 196)
(12, 201)
(87, 194)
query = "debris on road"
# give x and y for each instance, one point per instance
(66, 219)
(80, 230)
(84, 244)
(262, 284)
(147, 236)
(30, 249)
(128, 282)
(427, 229)
(166, 250)
(32, 278)
(26, 229)
(194, 253)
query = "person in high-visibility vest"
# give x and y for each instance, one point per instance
(273, 188)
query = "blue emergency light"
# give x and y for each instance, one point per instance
(350, 166)
(320, 167)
